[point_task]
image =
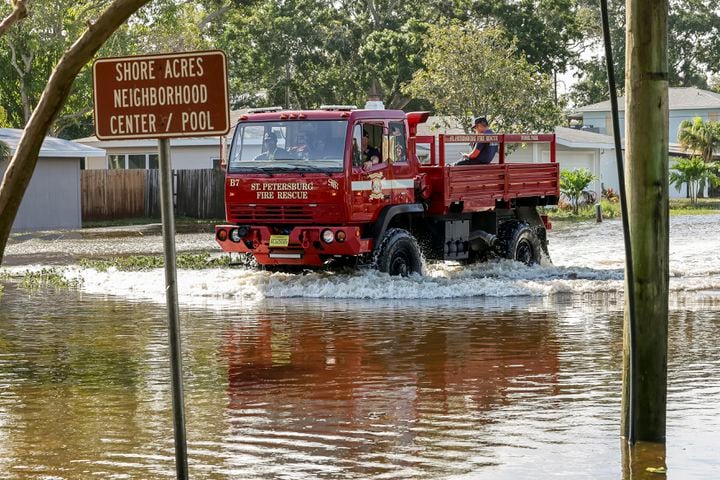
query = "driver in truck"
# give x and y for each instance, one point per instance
(270, 148)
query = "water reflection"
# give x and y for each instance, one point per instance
(643, 461)
(473, 388)
(423, 389)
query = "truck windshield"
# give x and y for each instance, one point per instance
(298, 145)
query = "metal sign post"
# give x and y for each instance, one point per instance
(164, 96)
(168, 231)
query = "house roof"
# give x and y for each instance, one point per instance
(679, 98)
(575, 138)
(52, 147)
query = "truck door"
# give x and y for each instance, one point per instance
(403, 172)
(371, 188)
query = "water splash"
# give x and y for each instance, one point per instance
(588, 258)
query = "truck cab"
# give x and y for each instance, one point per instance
(337, 184)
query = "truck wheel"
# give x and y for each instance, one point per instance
(398, 254)
(520, 243)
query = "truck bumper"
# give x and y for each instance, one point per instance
(299, 246)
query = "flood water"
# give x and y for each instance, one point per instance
(492, 371)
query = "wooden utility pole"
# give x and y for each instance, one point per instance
(646, 174)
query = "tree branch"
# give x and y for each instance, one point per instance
(19, 12)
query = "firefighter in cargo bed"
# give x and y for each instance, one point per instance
(483, 153)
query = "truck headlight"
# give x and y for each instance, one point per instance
(235, 235)
(328, 236)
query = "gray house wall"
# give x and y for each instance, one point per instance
(52, 200)
(603, 120)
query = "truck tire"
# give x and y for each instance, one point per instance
(398, 254)
(520, 242)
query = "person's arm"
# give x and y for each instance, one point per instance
(474, 154)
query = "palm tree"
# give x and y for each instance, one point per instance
(699, 137)
(4, 151)
(696, 173)
(573, 184)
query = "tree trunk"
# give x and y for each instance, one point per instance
(646, 173)
(21, 167)
(23, 72)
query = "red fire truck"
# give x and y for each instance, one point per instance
(299, 192)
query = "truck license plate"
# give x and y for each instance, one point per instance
(279, 240)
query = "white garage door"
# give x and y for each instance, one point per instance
(576, 161)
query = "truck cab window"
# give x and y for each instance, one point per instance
(279, 146)
(371, 148)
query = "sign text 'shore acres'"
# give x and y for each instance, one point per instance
(156, 96)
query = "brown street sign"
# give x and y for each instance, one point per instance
(161, 96)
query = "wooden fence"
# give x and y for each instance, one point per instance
(115, 194)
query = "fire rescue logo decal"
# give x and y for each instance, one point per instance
(282, 191)
(333, 183)
(376, 184)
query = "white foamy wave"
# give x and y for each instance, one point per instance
(494, 279)
(588, 258)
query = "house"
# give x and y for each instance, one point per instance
(684, 103)
(52, 199)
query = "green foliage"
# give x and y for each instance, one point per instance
(592, 84)
(693, 48)
(694, 172)
(3, 118)
(549, 33)
(4, 151)
(471, 71)
(608, 208)
(299, 53)
(390, 57)
(700, 137)
(47, 277)
(149, 262)
(702, 206)
(573, 183)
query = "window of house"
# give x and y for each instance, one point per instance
(136, 161)
(132, 161)
(116, 162)
(216, 162)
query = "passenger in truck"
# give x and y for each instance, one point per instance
(301, 149)
(270, 148)
(374, 160)
(371, 155)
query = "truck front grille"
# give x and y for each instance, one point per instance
(270, 213)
